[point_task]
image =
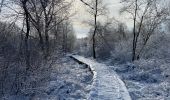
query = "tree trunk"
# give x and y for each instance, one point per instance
(27, 51)
(47, 42)
(95, 29)
(134, 35)
(41, 42)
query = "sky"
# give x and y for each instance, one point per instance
(81, 15)
(82, 29)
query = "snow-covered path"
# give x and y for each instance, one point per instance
(106, 83)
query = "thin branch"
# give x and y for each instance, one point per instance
(87, 4)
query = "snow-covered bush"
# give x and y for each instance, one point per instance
(122, 52)
(146, 79)
(13, 76)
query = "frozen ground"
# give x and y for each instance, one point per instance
(146, 79)
(68, 81)
(106, 84)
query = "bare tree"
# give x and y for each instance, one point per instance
(144, 12)
(27, 20)
(45, 15)
(121, 30)
(50, 12)
(35, 15)
(97, 9)
(21, 60)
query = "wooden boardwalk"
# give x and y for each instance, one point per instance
(106, 83)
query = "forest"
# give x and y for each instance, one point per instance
(124, 55)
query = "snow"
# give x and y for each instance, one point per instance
(146, 79)
(67, 80)
(106, 83)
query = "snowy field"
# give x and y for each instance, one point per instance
(146, 79)
(68, 81)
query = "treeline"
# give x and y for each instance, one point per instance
(112, 39)
(28, 51)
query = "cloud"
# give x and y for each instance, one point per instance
(82, 15)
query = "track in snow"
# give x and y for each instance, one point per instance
(106, 83)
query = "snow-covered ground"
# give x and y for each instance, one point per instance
(106, 85)
(146, 79)
(68, 81)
